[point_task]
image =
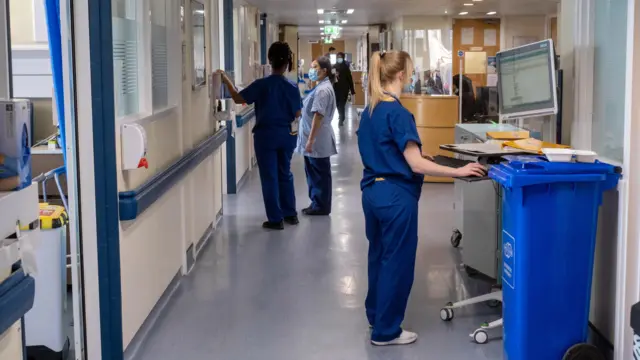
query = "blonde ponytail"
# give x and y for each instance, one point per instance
(383, 68)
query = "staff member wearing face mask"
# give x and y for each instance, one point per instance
(316, 140)
(343, 86)
(277, 104)
(394, 172)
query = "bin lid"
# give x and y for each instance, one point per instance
(635, 318)
(518, 173)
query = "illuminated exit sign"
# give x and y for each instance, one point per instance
(328, 40)
(332, 30)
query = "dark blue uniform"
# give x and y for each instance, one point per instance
(277, 100)
(390, 194)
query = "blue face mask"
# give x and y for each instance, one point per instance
(313, 74)
(340, 60)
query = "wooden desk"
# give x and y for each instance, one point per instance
(436, 119)
(358, 99)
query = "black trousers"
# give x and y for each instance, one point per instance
(341, 103)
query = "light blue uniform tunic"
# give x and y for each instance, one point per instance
(321, 100)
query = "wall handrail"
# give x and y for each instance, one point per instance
(134, 202)
(245, 117)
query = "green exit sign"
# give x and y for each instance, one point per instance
(328, 41)
(332, 30)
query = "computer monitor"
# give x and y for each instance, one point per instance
(527, 81)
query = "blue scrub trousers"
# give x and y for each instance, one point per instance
(318, 172)
(391, 222)
(274, 164)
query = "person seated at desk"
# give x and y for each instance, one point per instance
(466, 96)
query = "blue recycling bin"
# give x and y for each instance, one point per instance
(550, 215)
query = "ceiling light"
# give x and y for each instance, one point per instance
(491, 13)
(476, 0)
(350, 11)
(334, 12)
(321, 21)
(344, 21)
(464, 13)
(468, 4)
(322, 28)
(320, 11)
(446, 11)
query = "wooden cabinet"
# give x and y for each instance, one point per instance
(359, 98)
(436, 119)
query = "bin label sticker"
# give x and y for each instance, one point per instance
(508, 259)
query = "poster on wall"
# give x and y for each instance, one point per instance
(490, 37)
(467, 36)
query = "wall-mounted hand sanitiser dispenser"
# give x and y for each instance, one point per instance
(134, 147)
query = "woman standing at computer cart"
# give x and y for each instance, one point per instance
(316, 140)
(277, 104)
(394, 170)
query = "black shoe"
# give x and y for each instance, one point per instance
(314, 212)
(341, 123)
(292, 220)
(273, 225)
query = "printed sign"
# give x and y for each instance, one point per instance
(508, 259)
(460, 53)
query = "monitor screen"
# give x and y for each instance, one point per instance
(527, 80)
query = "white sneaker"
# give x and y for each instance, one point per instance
(406, 338)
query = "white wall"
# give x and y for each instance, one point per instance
(153, 247)
(518, 28)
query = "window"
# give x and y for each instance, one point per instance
(125, 56)
(609, 77)
(159, 58)
(142, 54)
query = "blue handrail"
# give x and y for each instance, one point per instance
(134, 202)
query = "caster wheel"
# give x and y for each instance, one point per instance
(456, 237)
(494, 303)
(446, 314)
(583, 352)
(471, 271)
(480, 337)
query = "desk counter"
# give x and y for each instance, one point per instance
(436, 119)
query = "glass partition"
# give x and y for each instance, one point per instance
(430, 50)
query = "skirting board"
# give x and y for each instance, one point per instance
(131, 352)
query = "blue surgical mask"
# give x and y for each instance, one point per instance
(313, 74)
(340, 60)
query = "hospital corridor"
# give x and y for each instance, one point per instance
(319, 179)
(298, 294)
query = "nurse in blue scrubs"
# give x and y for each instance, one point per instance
(316, 140)
(394, 170)
(277, 104)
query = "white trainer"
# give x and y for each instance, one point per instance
(406, 338)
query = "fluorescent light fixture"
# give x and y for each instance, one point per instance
(468, 4)
(464, 13)
(446, 11)
(344, 21)
(476, 0)
(320, 11)
(321, 21)
(491, 13)
(334, 12)
(322, 28)
(350, 11)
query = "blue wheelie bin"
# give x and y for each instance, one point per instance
(550, 215)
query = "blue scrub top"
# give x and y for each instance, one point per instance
(277, 100)
(382, 139)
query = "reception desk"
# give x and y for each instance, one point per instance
(358, 84)
(436, 119)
